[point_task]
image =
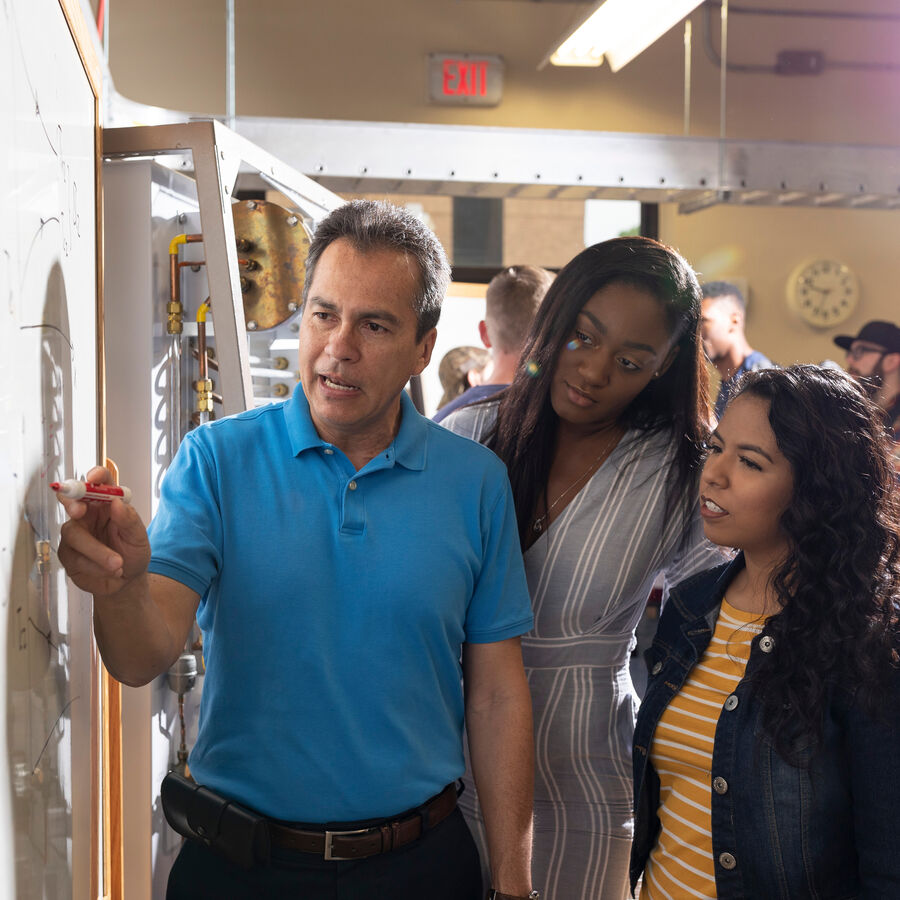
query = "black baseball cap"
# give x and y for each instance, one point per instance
(884, 334)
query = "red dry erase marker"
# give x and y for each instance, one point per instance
(82, 490)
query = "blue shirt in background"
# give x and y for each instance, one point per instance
(750, 363)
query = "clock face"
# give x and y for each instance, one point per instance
(824, 292)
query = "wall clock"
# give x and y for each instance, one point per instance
(823, 292)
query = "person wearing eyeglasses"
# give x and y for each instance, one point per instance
(873, 359)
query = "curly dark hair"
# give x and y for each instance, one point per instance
(840, 583)
(525, 431)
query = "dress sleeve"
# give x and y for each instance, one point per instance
(695, 552)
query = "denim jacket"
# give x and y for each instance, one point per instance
(780, 832)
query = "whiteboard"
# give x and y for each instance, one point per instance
(48, 430)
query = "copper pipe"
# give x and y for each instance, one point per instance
(174, 285)
(201, 348)
(211, 363)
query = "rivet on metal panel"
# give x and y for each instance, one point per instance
(579, 177)
(621, 179)
(292, 220)
(251, 204)
(409, 171)
(293, 307)
(453, 173)
(662, 180)
(320, 168)
(251, 325)
(182, 218)
(496, 174)
(703, 182)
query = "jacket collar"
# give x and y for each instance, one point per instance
(701, 595)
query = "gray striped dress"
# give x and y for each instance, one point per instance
(590, 574)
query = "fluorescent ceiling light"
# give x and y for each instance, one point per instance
(619, 30)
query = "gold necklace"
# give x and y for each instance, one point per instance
(538, 525)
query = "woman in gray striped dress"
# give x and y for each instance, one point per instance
(601, 433)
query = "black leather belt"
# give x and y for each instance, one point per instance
(359, 843)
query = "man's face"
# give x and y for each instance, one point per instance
(358, 345)
(718, 322)
(865, 362)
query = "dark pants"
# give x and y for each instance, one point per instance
(441, 865)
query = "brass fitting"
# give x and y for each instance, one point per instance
(175, 320)
(204, 388)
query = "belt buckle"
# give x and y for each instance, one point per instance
(329, 837)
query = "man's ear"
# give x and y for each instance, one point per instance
(426, 348)
(890, 362)
(483, 333)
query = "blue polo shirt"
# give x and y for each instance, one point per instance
(334, 604)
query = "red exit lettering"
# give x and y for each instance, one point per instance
(464, 79)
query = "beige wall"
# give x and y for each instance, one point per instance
(765, 245)
(355, 59)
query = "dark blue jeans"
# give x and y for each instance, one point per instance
(442, 865)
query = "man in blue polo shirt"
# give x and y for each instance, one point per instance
(356, 573)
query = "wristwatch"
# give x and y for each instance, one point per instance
(499, 895)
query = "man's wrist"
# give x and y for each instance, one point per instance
(499, 895)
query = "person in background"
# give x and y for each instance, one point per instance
(459, 369)
(724, 341)
(343, 651)
(601, 432)
(873, 359)
(768, 741)
(511, 300)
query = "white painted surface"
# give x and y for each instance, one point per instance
(48, 431)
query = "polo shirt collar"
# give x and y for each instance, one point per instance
(409, 446)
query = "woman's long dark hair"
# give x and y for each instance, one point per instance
(840, 583)
(525, 431)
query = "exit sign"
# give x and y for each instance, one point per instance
(464, 78)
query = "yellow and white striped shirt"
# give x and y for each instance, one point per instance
(681, 863)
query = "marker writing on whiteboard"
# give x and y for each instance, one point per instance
(83, 490)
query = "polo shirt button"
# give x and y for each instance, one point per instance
(352, 485)
(328, 451)
(731, 703)
(720, 785)
(657, 668)
(727, 861)
(766, 643)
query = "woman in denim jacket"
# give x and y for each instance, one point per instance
(767, 748)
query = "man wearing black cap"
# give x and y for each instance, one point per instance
(873, 359)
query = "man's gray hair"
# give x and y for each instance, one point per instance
(375, 225)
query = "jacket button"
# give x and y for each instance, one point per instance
(727, 861)
(657, 668)
(731, 703)
(766, 643)
(720, 785)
